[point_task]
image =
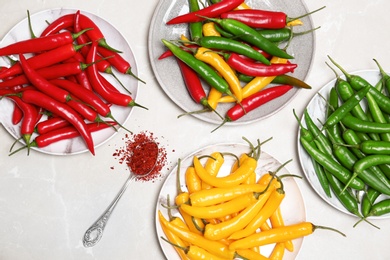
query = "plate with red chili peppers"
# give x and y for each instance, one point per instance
(209, 64)
(68, 81)
(346, 164)
(187, 199)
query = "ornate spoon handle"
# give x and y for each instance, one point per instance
(95, 232)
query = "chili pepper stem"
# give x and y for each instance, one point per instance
(328, 228)
(129, 72)
(30, 25)
(304, 15)
(347, 75)
(103, 43)
(120, 125)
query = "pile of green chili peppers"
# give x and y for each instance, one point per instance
(350, 151)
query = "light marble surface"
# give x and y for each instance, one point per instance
(47, 202)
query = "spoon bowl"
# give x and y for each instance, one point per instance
(141, 163)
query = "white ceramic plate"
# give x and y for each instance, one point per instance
(317, 110)
(292, 207)
(169, 76)
(114, 38)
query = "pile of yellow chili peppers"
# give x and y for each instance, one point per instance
(230, 216)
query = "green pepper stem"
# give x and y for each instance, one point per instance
(304, 15)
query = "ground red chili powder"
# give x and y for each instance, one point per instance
(142, 158)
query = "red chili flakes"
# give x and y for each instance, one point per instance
(142, 158)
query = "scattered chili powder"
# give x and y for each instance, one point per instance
(143, 157)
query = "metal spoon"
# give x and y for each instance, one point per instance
(95, 232)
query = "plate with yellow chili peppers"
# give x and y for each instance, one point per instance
(59, 52)
(206, 61)
(223, 194)
(346, 164)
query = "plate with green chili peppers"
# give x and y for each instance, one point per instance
(170, 78)
(343, 165)
(179, 181)
(40, 22)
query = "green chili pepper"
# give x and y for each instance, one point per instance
(280, 79)
(317, 133)
(346, 107)
(195, 28)
(330, 164)
(377, 114)
(385, 77)
(226, 44)
(204, 71)
(223, 32)
(358, 83)
(368, 200)
(380, 208)
(251, 36)
(280, 35)
(333, 132)
(357, 124)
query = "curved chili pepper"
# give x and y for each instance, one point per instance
(17, 115)
(61, 109)
(95, 34)
(43, 59)
(252, 102)
(277, 220)
(66, 133)
(210, 11)
(62, 22)
(251, 36)
(257, 69)
(218, 63)
(85, 111)
(208, 29)
(30, 115)
(40, 44)
(117, 61)
(212, 166)
(99, 85)
(193, 182)
(42, 84)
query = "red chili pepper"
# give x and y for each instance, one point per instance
(209, 12)
(17, 115)
(84, 95)
(61, 109)
(257, 69)
(61, 23)
(254, 101)
(43, 84)
(36, 45)
(95, 34)
(82, 77)
(257, 18)
(30, 117)
(43, 60)
(85, 111)
(50, 124)
(99, 84)
(66, 133)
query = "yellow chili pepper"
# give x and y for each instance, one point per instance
(231, 180)
(250, 254)
(194, 224)
(175, 240)
(252, 177)
(277, 220)
(219, 195)
(277, 252)
(212, 166)
(277, 235)
(225, 229)
(214, 247)
(209, 29)
(220, 210)
(218, 63)
(255, 85)
(193, 182)
(213, 97)
(185, 40)
(294, 23)
(275, 199)
(198, 253)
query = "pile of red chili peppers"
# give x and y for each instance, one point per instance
(63, 79)
(236, 51)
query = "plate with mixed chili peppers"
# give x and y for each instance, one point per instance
(211, 65)
(68, 81)
(346, 163)
(225, 192)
